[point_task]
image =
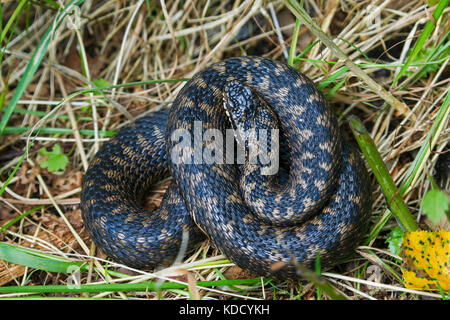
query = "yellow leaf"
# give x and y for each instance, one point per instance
(426, 257)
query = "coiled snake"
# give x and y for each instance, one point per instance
(317, 204)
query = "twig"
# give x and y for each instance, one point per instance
(376, 163)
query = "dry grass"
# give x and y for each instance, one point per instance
(134, 41)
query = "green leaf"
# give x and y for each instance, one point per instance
(434, 204)
(422, 57)
(395, 240)
(55, 161)
(100, 83)
(38, 260)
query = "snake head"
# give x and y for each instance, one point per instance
(255, 127)
(238, 104)
(246, 112)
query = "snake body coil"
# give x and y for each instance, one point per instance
(319, 204)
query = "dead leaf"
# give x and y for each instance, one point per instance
(426, 257)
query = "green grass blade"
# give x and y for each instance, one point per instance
(294, 43)
(376, 163)
(426, 32)
(304, 52)
(35, 62)
(419, 162)
(87, 132)
(439, 124)
(37, 260)
(43, 113)
(332, 78)
(19, 217)
(437, 56)
(303, 15)
(3, 49)
(11, 20)
(112, 287)
(335, 88)
(15, 169)
(356, 48)
(81, 92)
